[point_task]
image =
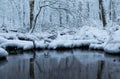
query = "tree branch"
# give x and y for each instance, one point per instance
(65, 9)
(36, 17)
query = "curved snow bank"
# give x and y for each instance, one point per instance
(3, 53)
(88, 33)
(9, 35)
(92, 37)
(97, 46)
(112, 48)
(70, 43)
(25, 45)
(2, 39)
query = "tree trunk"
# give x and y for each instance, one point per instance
(110, 7)
(31, 13)
(35, 20)
(102, 13)
(60, 16)
(88, 9)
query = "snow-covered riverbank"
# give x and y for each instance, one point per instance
(92, 37)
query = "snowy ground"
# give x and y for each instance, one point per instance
(93, 37)
(3, 53)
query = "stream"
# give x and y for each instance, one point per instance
(67, 64)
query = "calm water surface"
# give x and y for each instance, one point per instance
(72, 64)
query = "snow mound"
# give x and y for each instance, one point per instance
(97, 46)
(8, 35)
(25, 45)
(112, 48)
(3, 53)
(89, 32)
(116, 35)
(70, 43)
(27, 37)
(88, 36)
(2, 40)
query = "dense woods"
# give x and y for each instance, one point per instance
(59, 39)
(42, 15)
(53, 24)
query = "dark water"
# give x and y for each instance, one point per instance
(72, 64)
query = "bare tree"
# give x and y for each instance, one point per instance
(51, 5)
(102, 13)
(31, 4)
(88, 9)
(61, 9)
(112, 14)
(60, 16)
(34, 18)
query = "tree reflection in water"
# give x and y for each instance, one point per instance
(75, 64)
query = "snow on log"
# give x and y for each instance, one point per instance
(97, 39)
(2, 40)
(25, 45)
(70, 43)
(112, 48)
(3, 53)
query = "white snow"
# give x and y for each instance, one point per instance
(70, 43)
(93, 37)
(80, 16)
(3, 53)
(25, 45)
(112, 48)
(2, 39)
